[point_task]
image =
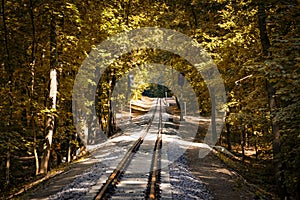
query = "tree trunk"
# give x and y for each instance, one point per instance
(243, 141)
(228, 136)
(177, 103)
(7, 172)
(50, 123)
(194, 16)
(126, 7)
(213, 116)
(272, 103)
(53, 96)
(69, 156)
(36, 157)
(32, 70)
(10, 71)
(110, 124)
(264, 39)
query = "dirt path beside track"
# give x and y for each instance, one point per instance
(223, 182)
(55, 184)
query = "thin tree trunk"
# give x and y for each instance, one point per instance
(7, 172)
(9, 69)
(53, 96)
(50, 124)
(243, 143)
(256, 150)
(213, 115)
(228, 136)
(110, 125)
(264, 38)
(36, 156)
(112, 117)
(127, 12)
(32, 69)
(194, 16)
(69, 156)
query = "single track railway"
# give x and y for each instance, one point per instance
(111, 188)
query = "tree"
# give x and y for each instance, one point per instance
(265, 42)
(50, 124)
(10, 72)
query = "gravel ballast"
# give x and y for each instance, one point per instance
(184, 185)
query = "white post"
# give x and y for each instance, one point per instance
(184, 108)
(130, 110)
(166, 93)
(181, 115)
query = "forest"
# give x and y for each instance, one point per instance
(254, 44)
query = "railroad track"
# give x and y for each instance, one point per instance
(154, 178)
(126, 181)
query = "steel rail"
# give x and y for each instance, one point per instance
(113, 178)
(155, 169)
